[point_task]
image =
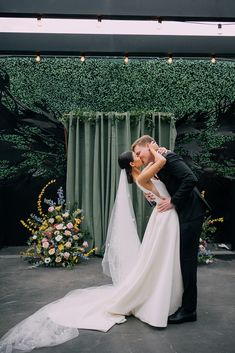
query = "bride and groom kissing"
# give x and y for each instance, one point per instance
(154, 280)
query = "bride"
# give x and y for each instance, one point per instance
(146, 277)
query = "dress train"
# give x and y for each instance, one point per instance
(151, 291)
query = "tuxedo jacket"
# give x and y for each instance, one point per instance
(181, 185)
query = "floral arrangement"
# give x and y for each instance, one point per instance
(56, 239)
(208, 229)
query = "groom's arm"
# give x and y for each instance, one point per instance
(184, 177)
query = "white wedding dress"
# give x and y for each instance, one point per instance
(147, 282)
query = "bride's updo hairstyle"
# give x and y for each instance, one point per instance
(124, 163)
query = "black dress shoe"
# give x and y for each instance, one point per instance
(181, 316)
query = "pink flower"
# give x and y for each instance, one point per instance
(58, 238)
(51, 209)
(44, 239)
(69, 225)
(67, 232)
(59, 226)
(66, 255)
(45, 244)
(85, 244)
(68, 244)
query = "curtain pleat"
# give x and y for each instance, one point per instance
(94, 145)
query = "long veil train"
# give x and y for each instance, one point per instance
(147, 282)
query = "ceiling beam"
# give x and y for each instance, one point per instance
(115, 45)
(206, 10)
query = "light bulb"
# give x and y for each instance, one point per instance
(126, 59)
(170, 59)
(213, 59)
(38, 58)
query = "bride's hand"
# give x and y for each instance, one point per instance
(152, 147)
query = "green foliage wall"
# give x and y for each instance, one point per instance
(66, 84)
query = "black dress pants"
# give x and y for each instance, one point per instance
(189, 242)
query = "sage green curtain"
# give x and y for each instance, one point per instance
(94, 143)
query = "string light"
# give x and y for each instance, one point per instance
(159, 22)
(170, 59)
(38, 58)
(126, 59)
(220, 30)
(99, 19)
(213, 59)
(82, 58)
(39, 21)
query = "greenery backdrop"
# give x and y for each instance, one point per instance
(66, 84)
(199, 94)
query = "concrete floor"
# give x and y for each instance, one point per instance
(24, 289)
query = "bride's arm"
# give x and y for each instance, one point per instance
(148, 173)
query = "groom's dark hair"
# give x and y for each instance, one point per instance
(142, 141)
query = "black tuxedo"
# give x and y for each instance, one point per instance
(190, 206)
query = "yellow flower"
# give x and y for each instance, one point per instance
(77, 220)
(58, 208)
(59, 218)
(51, 251)
(61, 247)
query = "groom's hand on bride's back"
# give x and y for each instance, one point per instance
(164, 205)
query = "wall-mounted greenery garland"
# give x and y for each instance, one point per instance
(66, 84)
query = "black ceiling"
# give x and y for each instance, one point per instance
(136, 45)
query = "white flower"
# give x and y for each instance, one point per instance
(201, 247)
(65, 215)
(47, 260)
(58, 259)
(56, 232)
(51, 220)
(58, 238)
(45, 244)
(59, 226)
(34, 236)
(51, 209)
(75, 237)
(68, 244)
(67, 232)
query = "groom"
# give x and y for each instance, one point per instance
(190, 206)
